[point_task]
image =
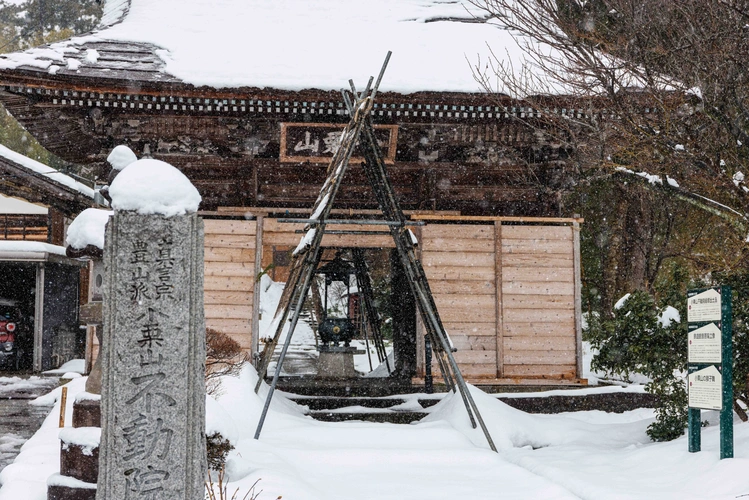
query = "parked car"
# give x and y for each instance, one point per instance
(10, 321)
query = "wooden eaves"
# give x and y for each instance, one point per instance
(20, 182)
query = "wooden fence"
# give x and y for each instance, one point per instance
(230, 256)
(507, 295)
(507, 290)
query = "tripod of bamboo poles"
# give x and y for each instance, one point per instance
(307, 254)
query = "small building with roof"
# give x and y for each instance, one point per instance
(37, 275)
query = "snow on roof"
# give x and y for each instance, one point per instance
(46, 171)
(8, 246)
(113, 11)
(88, 229)
(9, 205)
(154, 187)
(298, 44)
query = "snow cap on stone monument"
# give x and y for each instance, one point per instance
(154, 187)
(120, 157)
(87, 229)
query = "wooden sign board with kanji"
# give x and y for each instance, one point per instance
(318, 142)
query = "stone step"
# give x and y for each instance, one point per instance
(87, 413)
(364, 387)
(334, 403)
(393, 417)
(79, 462)
(65, 488)
(79, 453)
(370, 409)
(333, 408)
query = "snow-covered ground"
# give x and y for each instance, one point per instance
(15, 385)
(591, 455)
(26, 478)
(9, 445)
(73, 366)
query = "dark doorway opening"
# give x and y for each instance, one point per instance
(46, 295)
(63, 338)
(18, 285)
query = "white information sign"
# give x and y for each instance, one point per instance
(705, 345)
(704, 306)
(706, 389)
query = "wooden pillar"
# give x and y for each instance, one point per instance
(56, 231)
(498, 302)
(256, 290)
(576, 263)
(39, 318)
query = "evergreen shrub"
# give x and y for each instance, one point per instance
(635, 340)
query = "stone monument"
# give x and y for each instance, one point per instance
(153, 349)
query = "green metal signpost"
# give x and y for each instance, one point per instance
(710, 363)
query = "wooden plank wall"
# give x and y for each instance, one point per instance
(506, 293)
(230, 277)
(459, 263)
(524, 328)
(283, 234)
(24, 227)
(538, 302)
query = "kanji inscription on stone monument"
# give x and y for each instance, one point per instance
(153, 399)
